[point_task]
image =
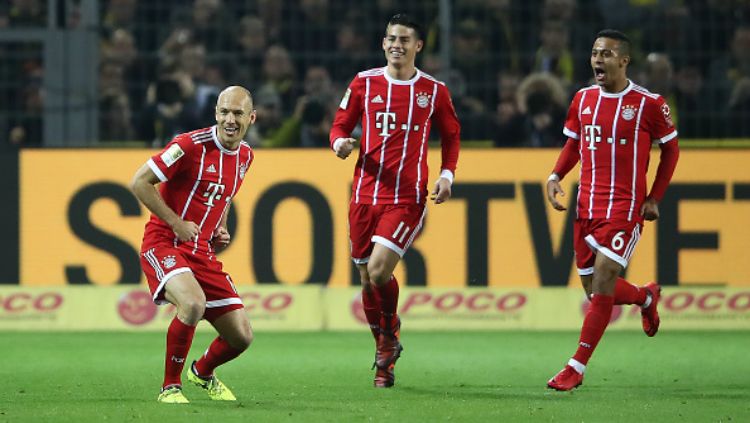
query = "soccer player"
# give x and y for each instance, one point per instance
(396, 105)
(610, 129)
(198, 175)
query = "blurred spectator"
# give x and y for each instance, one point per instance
(353, 49)
(115, 121)
(730, 81)
(554, 54)
(252, 44)
(471, 58)
(541, 102)
(310, 123)
(310, 33)
(27, 127)
(658, 77)
(690, 96)
(280, 75)
(27, 13)
(267, 104)
(164, 115)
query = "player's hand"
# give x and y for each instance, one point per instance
(186, 230)
(650, 209)
(344, 149)
(554, 188)
(442, 191)
(220, 239)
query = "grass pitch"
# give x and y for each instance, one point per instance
(458, 376)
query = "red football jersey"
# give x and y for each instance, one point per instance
(199, 179)
(614, 134)
(396, 117)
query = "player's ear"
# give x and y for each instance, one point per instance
(624, 60)
(420, 44)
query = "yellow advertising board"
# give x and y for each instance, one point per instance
(80, 224)
(274, 308)
(305, 308)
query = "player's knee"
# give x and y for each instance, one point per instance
(242, 340)
(192, 310)
(378, 276)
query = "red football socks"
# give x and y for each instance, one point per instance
(218, 353)
(594, 324)
(179, 339)
(627, 293)
(371, 305)
(389, 302)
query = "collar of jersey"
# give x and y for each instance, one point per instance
(617, 95)
(400, 82)
(215, 136)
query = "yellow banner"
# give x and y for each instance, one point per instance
(131, 308)
(81, 225)
(317, 308)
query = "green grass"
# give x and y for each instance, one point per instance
(458, 376)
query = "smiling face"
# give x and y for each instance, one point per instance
(401, 46)
(609, 64)
(234, 115)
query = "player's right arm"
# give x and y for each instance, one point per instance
(143, 186)
(347, 116)
(569, 155)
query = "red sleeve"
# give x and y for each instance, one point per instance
(660, 125)
(168, 162)
(670, 152)
(572, 128)
(348, 113)
(568, 158)
(450, 129)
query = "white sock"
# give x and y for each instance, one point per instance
(577, 365)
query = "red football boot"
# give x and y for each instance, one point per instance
(388, 351)
(650, 314)
(568, 379)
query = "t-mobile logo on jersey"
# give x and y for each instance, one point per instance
(593, 134)
(213, 192)
(385, 121)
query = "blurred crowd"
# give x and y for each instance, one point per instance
(513, 67)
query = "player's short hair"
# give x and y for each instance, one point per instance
(407, 21)
(624, 41)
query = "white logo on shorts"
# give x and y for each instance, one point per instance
(169, 262)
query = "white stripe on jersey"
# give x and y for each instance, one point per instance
(406, 142)
(367, 139)
(192, 192)
(593, 161)
(382, 147)
(580, 151)
(416, 230)
(234, 188)
(635, 159)
(208, 208)
(614, 144)
(668, 138)
(424, 139)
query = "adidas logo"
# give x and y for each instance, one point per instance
(586, 111)
(377, 99)
(211, 169)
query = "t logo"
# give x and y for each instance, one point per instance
(213, 192)
(593, 134)
(385, 121)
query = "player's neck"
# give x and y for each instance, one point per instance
(403, 73)
(229, 145)
(617, 86)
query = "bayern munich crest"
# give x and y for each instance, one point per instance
(423, 99)
(169, 262)
(628, 111)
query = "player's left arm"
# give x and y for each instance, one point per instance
(450, 142)
(663, 130)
